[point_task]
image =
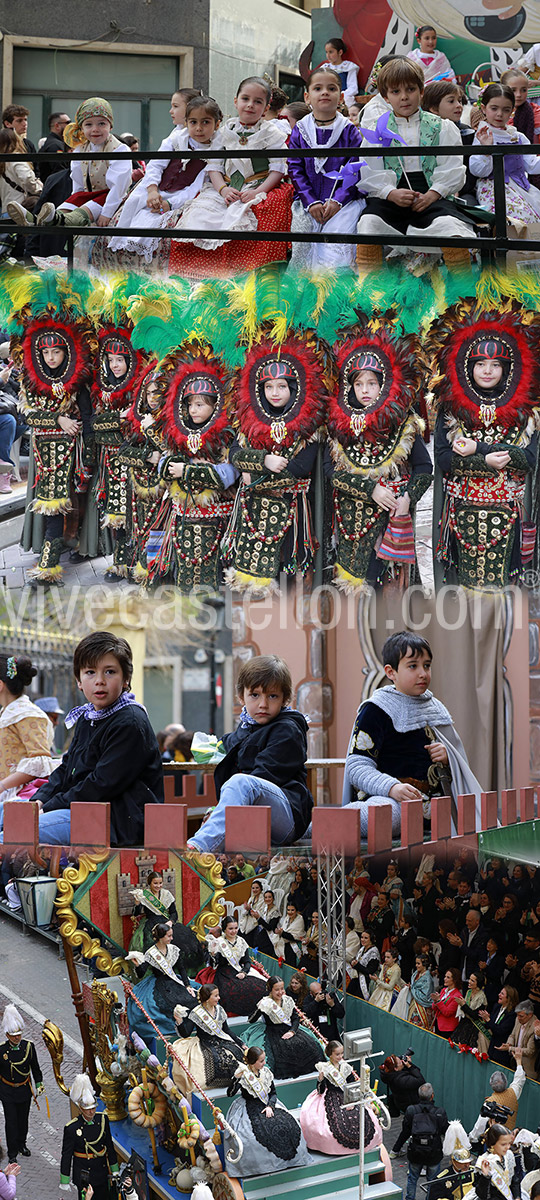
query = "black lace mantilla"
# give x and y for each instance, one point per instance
(344, 1123)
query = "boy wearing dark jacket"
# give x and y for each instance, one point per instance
(114, 755)
(265, 760)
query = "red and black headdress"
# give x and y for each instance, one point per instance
(194, 370)
(299, 360)
(55, 331)
(465, 334)
(140, 407)
(111, 392)
(396, 361)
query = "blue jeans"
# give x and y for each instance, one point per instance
(414, 1175)
(246, 789)
(10, 430)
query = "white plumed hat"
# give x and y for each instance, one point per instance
(82, 1092)
(12, 1021)
(456, 1143)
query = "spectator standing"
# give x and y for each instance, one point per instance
(54, 144)
(522, 1037)
(15, 117)
(425, 1126)
(500, 1024)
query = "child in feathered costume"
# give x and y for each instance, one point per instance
(53, 342)
(380, 466)
(142, 454)
(195, 389)
(486, 442)
(279, 413)
(119, 373)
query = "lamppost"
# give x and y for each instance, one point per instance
(359, 1045)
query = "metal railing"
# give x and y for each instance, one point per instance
(496, 246)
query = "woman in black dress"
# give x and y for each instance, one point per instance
(213, 1054)
(240, 986)
(269, 919)
(291, 1050)
(154, 904)
(164, 984)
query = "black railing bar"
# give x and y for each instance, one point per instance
(347, 239)
(499, 195)
(286, 152)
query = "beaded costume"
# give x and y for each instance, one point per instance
(271, 524)
(382, 444)
(61, 461)
(145, 485)
(192, 516)
(482, 531)
(113, 400)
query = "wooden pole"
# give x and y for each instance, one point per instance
(77, 997)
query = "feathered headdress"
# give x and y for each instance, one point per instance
(195, 361)
(12, 1022)
(82, 1092)
(53, 303)
(451, 342)
(397, 360)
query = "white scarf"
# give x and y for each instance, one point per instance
(308, 128)
(211, 1025)
(233, 952)
(336, 1075)
(280, 1014)
(259, 1086)
(501, 1176)
(162, 962)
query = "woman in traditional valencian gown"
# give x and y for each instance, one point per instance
(213, 1053)
(327, 1125)
(164, 984)
(291, 1051)
(240, 986)
(271, 1136)
(154, 904)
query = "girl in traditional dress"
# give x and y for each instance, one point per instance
(486, 444)
(164, 984)
(118, 378)
(54, 343)
(251, 912)
(26, 734)
(495, 1169)
(471, 1024)
(288, 936)
(291, 1050)
(270, 1134)
(278, 414)
(352, 947)
(328, 195)
(269, 918)
(433, 62)
(213, 1054)
(421, 991)
(388, 982)
(334, 49)
(243, 192)
(380, 466)
(522, 198)
(98, 186)
(195, 426)
(366, 965)
(328, 1126)
(169, 184)
(155, 904)
(240, 986)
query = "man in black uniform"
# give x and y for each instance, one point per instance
(88, 1154)
(18, 1061)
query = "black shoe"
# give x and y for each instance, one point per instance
(25, 1152)
(75, 557)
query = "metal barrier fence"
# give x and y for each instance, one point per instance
(495, 248)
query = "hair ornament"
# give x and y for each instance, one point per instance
(11, 668)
